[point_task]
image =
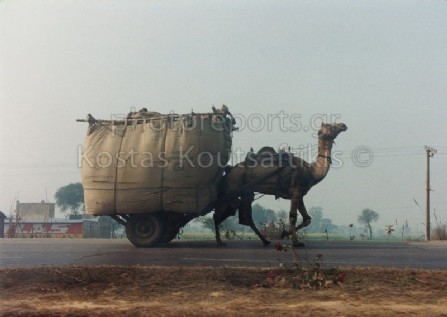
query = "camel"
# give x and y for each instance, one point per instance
(280, 174)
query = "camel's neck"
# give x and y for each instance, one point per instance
(320, 167)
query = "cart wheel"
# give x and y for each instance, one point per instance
(144, 231)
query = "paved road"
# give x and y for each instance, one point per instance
(61, 252)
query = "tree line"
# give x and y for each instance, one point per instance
(70, 199)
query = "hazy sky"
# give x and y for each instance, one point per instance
(378, 66)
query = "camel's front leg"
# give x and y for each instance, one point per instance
(217, 230)
(306, 218)
(246, 215)
(220, 214)
(259, 234)
(296, 197)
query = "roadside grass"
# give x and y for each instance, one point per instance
(304, 291)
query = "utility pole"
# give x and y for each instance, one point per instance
(430, 153)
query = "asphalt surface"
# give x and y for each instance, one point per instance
(15, 253)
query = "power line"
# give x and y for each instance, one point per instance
(302, 152)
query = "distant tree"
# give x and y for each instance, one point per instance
(70, 198)
(366, 217)
(317, 215)
(282, 215)
(261, 215)
(231, 223)
(326, 224)
(319, 222)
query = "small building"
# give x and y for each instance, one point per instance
(54, 228)
(36, 220)
(42, 211)
(74, 227)
(2, 225)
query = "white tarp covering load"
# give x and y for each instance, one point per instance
(152, 162)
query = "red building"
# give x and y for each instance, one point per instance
(54, 229)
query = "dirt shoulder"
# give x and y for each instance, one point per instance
(203, 291)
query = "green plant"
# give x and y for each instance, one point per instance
(351, 236)
(231, 234)
(326, 235)
(389, 230)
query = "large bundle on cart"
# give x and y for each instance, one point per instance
(150, 163)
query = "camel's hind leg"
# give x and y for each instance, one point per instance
(306, 218)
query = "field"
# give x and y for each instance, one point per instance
(224, 291)
(205, 235)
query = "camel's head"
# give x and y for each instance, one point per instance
(330, 131)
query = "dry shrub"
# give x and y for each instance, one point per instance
(440, 232)
(274, 230)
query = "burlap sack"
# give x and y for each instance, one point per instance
(157, 163)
